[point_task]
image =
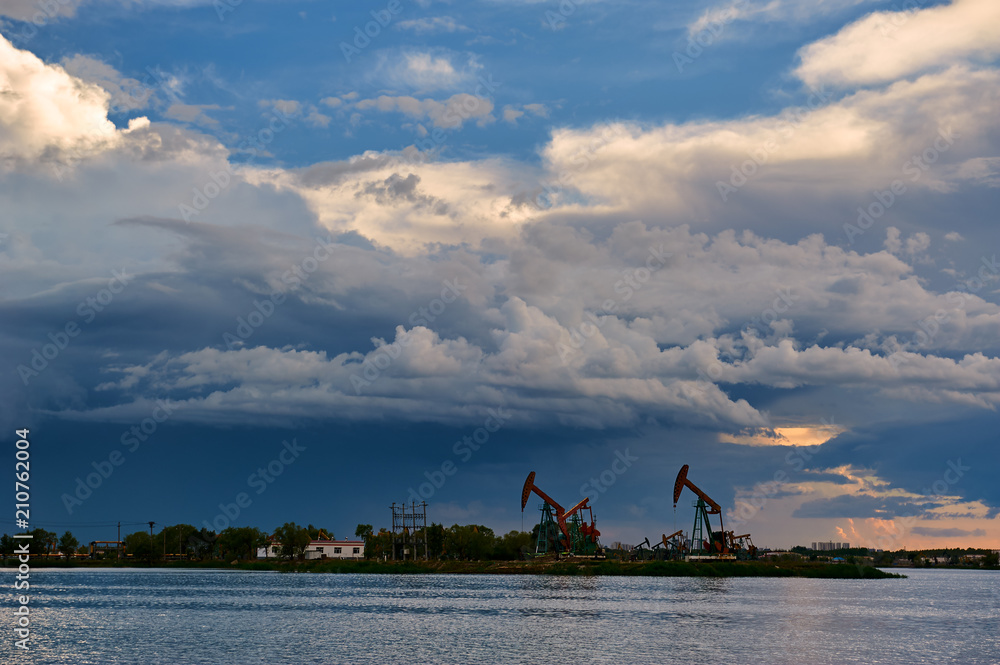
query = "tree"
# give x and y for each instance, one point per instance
(435, 540)
(6, 545)
(294, 540)
(41, 542)
(379, 545)
(68, 544)
(241, 542)
(51, 541)
(176, 539)
(473, 542)
(261, 539)
(202, 544)
(364, 532)
(512, 546)
(991, 559)
(138, 545)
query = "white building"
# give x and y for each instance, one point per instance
(336, 549)
(320, 549)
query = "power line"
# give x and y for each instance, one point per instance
(81, 525)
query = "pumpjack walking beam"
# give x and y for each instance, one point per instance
(529, 487)
(706, 506)
(585, 533)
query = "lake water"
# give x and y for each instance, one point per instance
(187, 617)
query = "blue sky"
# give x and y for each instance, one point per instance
(755, 238)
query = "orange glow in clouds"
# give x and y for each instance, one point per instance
(808, 435)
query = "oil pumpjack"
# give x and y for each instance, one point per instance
(560, 530)
(705, 542)
(673, 545)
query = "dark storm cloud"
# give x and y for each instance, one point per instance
(332, 173)
(396, 188)
(861, 506)
(955, 457)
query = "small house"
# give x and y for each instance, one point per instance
(320, 549)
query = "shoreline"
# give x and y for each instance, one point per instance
(569, 567)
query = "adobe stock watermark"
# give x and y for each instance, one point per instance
(605, 479)
(581, 162)
(746, 508)
(929, 327)
(264, 309)
(780, 305)
(456, 114)
(914, 167)
(704, 38)
(131, 439)
(953, 473)
(87, 310)
(890, 22)
(566, 9)
(791, 119)
(138, 93)
(219, 181)
(259, 480)
(223, 7)
(385, 354)
(463, 449)
(372, 29)
(633, 279)
(48, 10)
(762, 323)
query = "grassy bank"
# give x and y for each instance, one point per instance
(573, 567)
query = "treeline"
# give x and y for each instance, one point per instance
(470, 542)
(955, 555)
(177, 541)
(232, 543)
(43, 542)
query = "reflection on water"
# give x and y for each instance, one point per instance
(181, 617)
(712, 584)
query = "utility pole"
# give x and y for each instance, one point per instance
(151, 541)
(118, 549)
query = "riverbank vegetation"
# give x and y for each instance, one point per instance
(472, 548)
(572, 566)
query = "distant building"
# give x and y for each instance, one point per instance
(825, 547)
(320, 549)
(774, 554)
(105, 547)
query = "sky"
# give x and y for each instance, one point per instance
(293, 260)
